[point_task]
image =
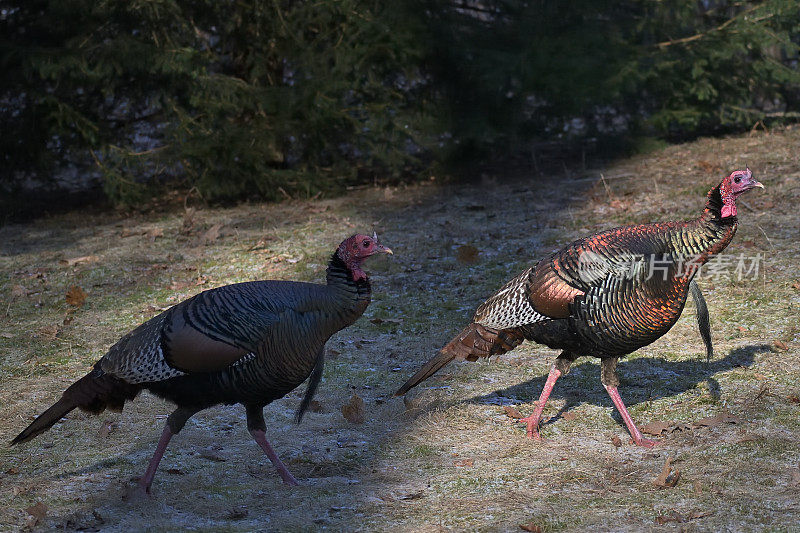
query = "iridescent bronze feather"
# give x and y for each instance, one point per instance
(605, 295)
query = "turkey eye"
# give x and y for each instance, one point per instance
(737, 179)
(366, 244)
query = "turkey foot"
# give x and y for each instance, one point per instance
(533, 427)
(536, 417)
(636, 435)
(645, 443)
(286, 476)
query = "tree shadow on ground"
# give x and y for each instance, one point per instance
(641, 380)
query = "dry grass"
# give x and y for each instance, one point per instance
(451, 459)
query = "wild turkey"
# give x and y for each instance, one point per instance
(248, 343)
(593, 297)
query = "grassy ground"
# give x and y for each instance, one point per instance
(448, 458)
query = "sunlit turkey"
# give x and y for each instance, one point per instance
(605, 295)
(249, 343)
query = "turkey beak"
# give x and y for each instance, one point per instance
(756, 183)
(379, 247)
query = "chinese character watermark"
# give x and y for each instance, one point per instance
(593, 267)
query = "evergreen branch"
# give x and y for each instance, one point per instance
(478, 9)
(146, 152)
(721, 27)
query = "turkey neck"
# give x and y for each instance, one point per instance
(351, 297)
(699, 239)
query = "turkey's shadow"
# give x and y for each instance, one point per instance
(641, 380)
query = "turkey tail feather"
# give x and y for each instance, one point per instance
(45, 420)
(427, 370)
(703, 322)
(313, 383)
(94, 392)
(473, 342)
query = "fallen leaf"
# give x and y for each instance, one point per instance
(616, 204)
(663, 519)
(6, 335)
(796, 285)
(237, 513)
(212, 234)
(569, 416)
(175, 471)
(795, 475)
(667, 478)
(67, 320)
(386, 320)
(78, 260)
(467, 254)
(675, 516)
(413, 495)
(779, 344)
(12, 471)
(180, 285)
(48, 331)
(616, 441)
(741, 329)
(37, 512)
(188, 220)
(155, 233)
(657, 428)
(793, 398)
(107, 427)
(127, 232)
(353, 410)
(533, 528)
(463, 462)
(722, 418)
(212, 455)
(18, 291)
(411, 405)
(76, 296)
(512, 413)
(315, 406)
(747, 438)
(705, 166)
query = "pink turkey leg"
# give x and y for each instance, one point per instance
(634, 431)
(533, 420)
(147, 479)
(261, 438)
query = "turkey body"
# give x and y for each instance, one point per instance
(632, 292)
(248, 343)
(605, 295)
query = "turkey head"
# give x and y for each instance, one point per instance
(737, 183)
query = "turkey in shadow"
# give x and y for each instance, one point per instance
(248, 343)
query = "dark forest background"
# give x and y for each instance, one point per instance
(266, 99)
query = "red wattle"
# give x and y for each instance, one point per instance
(358, 274)
(728, 210)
